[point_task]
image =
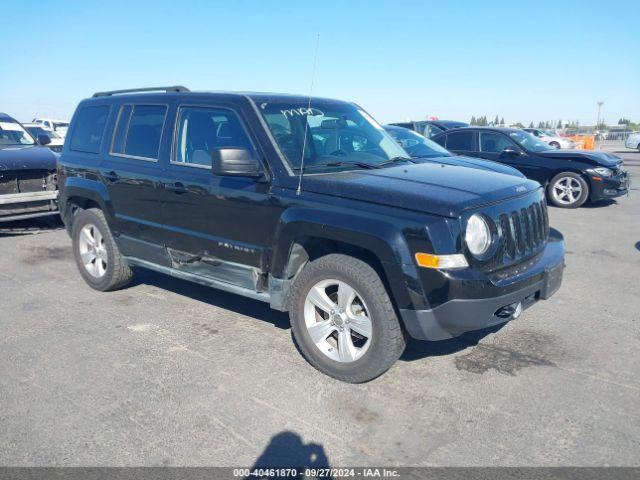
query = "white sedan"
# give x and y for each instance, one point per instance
(550, 137)
(633, 141)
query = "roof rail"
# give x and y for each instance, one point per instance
(175, 88)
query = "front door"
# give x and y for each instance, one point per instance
(499, 147)
(218, 227)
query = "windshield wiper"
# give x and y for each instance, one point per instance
(396, 160)
(340, 164)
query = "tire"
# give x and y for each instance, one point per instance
(639, 147)
(108, 270)
(573, 198)
(554, 144)
(372, 355)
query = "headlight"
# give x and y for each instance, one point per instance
(478, 235)
(602, 171)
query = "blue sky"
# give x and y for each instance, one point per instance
(525, 61)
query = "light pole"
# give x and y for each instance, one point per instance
(600, 103)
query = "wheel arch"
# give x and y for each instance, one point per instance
(301, 240)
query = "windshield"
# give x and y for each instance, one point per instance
(416, 145)
(549, 133)
(12, 133)
(338, 135)
(529, 142)
(35, 131)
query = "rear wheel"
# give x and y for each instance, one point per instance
(343, 320)
(96, 253)
(554, 144)
(568, 190)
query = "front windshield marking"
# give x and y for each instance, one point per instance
(338, 135)
(12, 133)
(529, 142)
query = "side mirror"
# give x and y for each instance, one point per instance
(236, 162)
(44, 139)
(510, 152)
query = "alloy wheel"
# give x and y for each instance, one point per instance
(337, 320)
(93, 251)
(566, 190)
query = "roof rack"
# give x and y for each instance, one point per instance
(175, 88)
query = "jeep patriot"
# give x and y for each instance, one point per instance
(309, 205)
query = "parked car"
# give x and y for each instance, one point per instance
(58, 126)
(430, 128)
(36, 129)
(309, 205)
(422, 149)
(28, 186)
(570, 177)
(551, 138)
(633, 141)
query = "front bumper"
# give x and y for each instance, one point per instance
(610, 187)
(538, 280)
(20, 206)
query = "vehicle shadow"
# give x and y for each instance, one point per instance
(31, 227)
(600, 203)
(637, 245)
(287, 450)
(419, 349)
(217, 298)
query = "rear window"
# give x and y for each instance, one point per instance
(460, 141)
(89, 129)
(139, 130)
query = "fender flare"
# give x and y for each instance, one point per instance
(89, 189)
(384, 240)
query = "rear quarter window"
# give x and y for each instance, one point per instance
(89, 129)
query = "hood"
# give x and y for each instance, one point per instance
(592, 157)
(471, 162)
(435, 188)
(27, 158)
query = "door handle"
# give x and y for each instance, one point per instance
(110, 176)
(175, 187)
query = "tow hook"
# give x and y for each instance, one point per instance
(510, 312)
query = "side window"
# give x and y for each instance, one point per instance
(492, 142)
(139, 130)
(89, 128)
(460, 141)
(202, 129)
(431, 130)
(442, 140)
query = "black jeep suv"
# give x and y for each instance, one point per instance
(307, 204)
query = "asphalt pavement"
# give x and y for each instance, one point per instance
(166, 372)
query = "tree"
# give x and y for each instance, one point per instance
(502, 121)
(531, 125)
(519, 125)
(496, 121)
(559, 126)
(473, 120)
(624, 121)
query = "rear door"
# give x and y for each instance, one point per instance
(461, 142)
(218, 227)
(131, 173)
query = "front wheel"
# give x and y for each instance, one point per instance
(568, 190)
(343, 320)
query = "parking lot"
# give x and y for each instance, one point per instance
(167, 372)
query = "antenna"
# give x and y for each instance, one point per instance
(306, 124)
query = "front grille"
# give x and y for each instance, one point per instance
(522, 232)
